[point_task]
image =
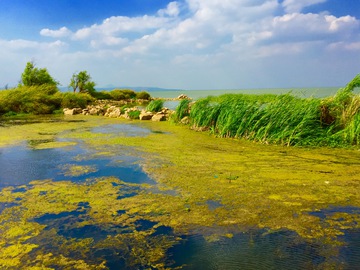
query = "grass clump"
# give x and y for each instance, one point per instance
(155, 105)
(182, 110)
(281, 119)
(134, 114)
(284, 119)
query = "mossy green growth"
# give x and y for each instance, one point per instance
(257, 186)
(77, 170)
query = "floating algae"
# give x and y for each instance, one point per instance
(279, 195)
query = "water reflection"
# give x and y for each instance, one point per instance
(22, 164)
(253, 250)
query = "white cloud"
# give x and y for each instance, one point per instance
(195, 37)
(298, 5)
(62, 32)
(172, 9)
(20, 45)
(300, 28)
(118, 25)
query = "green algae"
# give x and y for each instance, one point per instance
(257, 186)
(77, 170)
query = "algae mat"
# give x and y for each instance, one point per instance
(259, 206)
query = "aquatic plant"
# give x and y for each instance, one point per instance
(182, 110)
(48, 224)
(155, 105)
(134, 114)
(283, 119)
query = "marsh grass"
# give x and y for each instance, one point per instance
(155, 105)
(281, 119)
(182, 110)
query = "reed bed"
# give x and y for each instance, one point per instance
(155, 105)
(280, 119)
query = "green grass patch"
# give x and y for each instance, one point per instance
(155, 105)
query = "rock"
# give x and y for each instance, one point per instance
(73, 111)
(159, 117)
(183, 96)
(144, 115)
(94, 111)
(185, 120)
(113, 112)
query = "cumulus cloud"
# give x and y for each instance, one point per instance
(223, 33)
(62, 32)
(303, 27)
(118, 25)
(172, 9)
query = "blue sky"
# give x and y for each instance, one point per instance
(187, 44)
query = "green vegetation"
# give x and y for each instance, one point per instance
(283, 119)
(182, 110)
(41, 99)
(38, 94)
(33, 76)
(122, 94)
(82, 82)
(134, 114)
(75, 100)
(266, 187)
(155, 105)
(143, 95)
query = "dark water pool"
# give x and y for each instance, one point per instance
(19, 165)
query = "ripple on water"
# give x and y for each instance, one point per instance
(254, 250)
(20, 165)
(125, 130)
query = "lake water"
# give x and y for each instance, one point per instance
(79, 214)
(320, 92)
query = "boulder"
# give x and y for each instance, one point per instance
(73, 111)
(144, 115)
(113, 112)
(183, 96)
(159, 117)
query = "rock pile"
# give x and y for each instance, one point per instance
(116, 112)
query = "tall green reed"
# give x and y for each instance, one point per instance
(280, 119)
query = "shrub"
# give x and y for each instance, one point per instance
(101, 95)
(75, 100)
(143, 95)
(121, 94)
(42, 99)
(155, 105)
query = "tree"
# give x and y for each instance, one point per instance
(33, 76)
(82, 82)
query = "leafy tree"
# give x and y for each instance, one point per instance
(82, 82)
(33, 76)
